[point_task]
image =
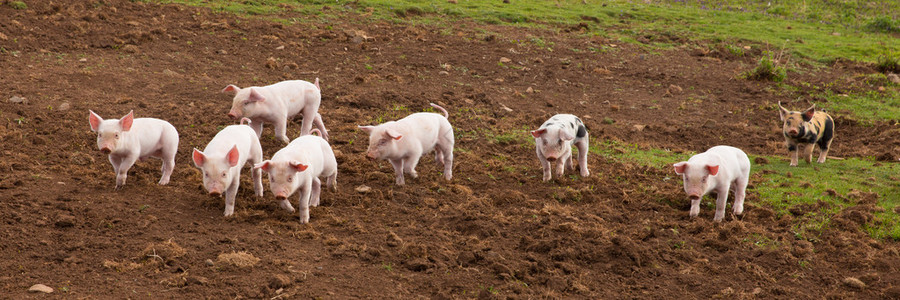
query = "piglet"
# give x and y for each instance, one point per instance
(403, 142)
(553, 141)
(128, 139)
(718, 169)
(803, 129)
(299, 166)
(276, 104)
(222, 159)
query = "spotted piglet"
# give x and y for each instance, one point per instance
(803, 129)
(718, 169)
(553, 141)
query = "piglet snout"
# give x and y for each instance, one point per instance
(280, 196)
(105, 150)
(215, 193)
(551, 158)
(792, 132)
(233, 115)
(694, 197)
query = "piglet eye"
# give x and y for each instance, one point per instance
(117, 135)
(224, 174)
(290, 179)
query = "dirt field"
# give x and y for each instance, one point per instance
(495, 231)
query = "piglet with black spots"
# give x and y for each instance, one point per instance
(222, 159)
(719, 169)
(404, 141)
(128, 139)
(802, 130)
(553, 142)
(276, 104)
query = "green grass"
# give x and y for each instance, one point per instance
(805, 28)
(866, 107)
(784, 188)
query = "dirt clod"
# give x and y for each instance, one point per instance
(854, 282)
(239, 259)
(40, 288)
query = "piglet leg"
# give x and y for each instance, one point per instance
(582, 146)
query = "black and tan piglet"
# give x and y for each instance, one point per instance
(803, 129)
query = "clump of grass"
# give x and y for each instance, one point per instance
(768, 68)
(735, 50)
(18, 5)
(882, 24)
(888, 62)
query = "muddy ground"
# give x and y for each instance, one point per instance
(495, 231)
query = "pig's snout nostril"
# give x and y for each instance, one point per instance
(280, 197)
(215, 193)
(694, 197)
(551, 159)
(105, 150)
(233, 116)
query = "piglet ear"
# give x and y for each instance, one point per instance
(230, 88)
(95, 120)
(255, 97)
(565, 135)
(366, 129)
(263, 165)
(298, 166)
(680, 167)
(233, 156)
(713, 170)
(538, 133)
(809, 113)
(393, 134)
(782, 111)
(199, 158)
(127, 120)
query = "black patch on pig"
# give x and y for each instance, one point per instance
(827, 135)
(792, 147)
(572, 125)
(582, 131)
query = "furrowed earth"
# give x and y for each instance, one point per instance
(494, 231)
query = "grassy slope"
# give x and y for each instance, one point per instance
(805, 28)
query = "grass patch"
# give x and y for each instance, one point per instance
(768, 68)
(888, 62)
(866, 107)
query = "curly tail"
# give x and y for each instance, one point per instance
(245, 119)
(446, 115)
(315, 131)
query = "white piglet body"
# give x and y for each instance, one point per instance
(403, 142)
(128, 140)
(298, 166)
(276, 104)
(224, 157)
(719, 169)
(554, 140)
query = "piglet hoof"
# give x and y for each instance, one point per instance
(228, 213)
(585, 173)
(413, 174)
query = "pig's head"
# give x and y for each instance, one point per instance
(284, 176)
(110, 132)
(245, 103)
(696, 178)
(795, 122)
(383, 141)
(217, 174)
(552, 141)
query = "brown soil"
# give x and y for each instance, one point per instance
(495, 231)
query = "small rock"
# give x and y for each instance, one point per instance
(17, 99)
(894, 78)
(746, 47)
(279, 47)
(727, 291)
(529, 90)
(271, 63)
(854, 283)
(393, 239)
(363, 189)
(505, 60)
(209, 262)
(168, 72)
(221, 51)
(756, 291)
(279, 281)
(444, 73)
(82, 60)
(674, 89)
(40, 288)
(602, 71)
(131, 48)
(638, 128)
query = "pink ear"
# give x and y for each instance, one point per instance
(809, 113)
(95, 120)
(713, 170)
(300, 167)
(233, 156)
(679, 167)
(126, 121)
(366, 129)
(393, 134)
(255, 97)
(199, 158)
(230, 88)
(538, 133)
(263, 165)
